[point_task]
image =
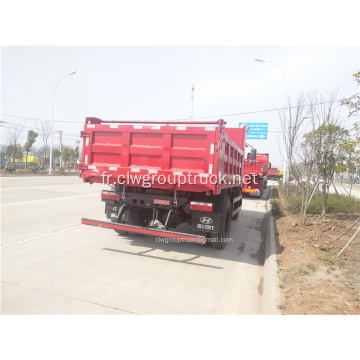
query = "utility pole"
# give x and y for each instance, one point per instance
(192, 102)
(60, 133)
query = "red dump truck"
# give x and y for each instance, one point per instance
(163, 174)
(273, 173)
(255, 173)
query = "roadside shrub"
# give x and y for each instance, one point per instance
(34, 169)
(10, 169)
(275, 207)
(61, 169)
(334, 204)
(315, 205)
(294, 203)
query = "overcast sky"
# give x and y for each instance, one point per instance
(154, 83)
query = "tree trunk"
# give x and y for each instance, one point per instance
(306, 194)
(324, 200)
(351, 184)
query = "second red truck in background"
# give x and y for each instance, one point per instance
(255, 173)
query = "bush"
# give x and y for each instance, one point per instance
(60, 169)
(334, 204)
(34, 169)
(10, 169)
(275, 207)
(2, 167)
(294, 203)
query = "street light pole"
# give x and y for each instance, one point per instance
(52, 119)
(287, 124)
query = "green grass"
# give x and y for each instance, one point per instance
(275, 206)
(334, 204)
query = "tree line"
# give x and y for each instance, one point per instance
(17, 155)
(319, 146)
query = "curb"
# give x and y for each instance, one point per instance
(271, 294)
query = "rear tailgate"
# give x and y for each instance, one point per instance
(113, 151)
(254, 167)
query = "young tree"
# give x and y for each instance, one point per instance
(325, 143)
(56, 156)
(14, 152)
(67, 155)
(294, 124)
(77, 151)
(3, 153)
(44, 130)
(15, 131)
(31, 138)
(353, 102)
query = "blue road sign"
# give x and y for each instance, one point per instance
(256, 130)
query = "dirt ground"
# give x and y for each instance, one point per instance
(313, 279)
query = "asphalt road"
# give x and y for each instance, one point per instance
(51, 264)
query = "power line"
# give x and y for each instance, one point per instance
(38, 119)
(10, 125)
(184, 119)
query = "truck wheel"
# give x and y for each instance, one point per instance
(121, 232)
(216, 242)
(235, 216)
(136, 219)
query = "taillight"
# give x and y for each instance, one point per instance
(109, 195)
(201, 206)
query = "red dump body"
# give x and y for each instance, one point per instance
(254, 176)
(273, 173)
(265, 159)
(255, 167)
(197, 154)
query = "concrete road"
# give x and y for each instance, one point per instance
(346, 189)
(51, 264)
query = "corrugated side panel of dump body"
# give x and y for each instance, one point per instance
(195, 155)
(273, 171)
(265, 159)
(255, 167)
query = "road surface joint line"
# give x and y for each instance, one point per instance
(43, 236)
(59, 198)
(70, 297)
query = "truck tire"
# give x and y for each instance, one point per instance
(235, 216)
(136, 219)
(120, 232)
(216, 238)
